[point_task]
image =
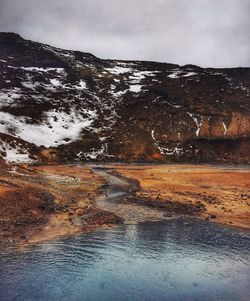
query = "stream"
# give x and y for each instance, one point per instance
(116, 188)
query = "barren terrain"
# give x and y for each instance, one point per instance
(43, 203)
(94, 109)
(220, 194)
(46, 202)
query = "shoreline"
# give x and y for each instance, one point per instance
(71, 193)
(224, 194)
(63, 199)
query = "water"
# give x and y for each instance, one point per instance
(111, 200)
(180, 259)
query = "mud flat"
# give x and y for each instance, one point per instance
(219, 194)
(47, 202)
(116, 193)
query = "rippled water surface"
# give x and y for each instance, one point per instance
(167, 260)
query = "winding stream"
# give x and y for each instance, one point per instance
(147, 258)
(116, 189)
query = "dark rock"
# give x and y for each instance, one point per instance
(212, 216)
(178, 114)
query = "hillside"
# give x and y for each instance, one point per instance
(63, 106)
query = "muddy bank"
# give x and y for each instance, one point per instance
(122, 195)
(47, 202)
(43, 203)
(220, 194)
(116, 190)
(170, 208)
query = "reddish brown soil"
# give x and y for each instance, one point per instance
(47, 202)
(219, 194)
(42, 203)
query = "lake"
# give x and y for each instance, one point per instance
(178, 259)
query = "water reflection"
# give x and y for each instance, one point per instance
(180, 259)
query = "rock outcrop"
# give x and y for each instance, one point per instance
(63, 105)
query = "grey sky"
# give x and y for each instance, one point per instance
(212, 33)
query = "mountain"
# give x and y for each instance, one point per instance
(63, 106)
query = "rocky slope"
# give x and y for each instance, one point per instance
(61, 105)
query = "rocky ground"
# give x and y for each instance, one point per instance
(60, 106)
(218, 194)
(111, 110)
(47, 202)
(43, 203)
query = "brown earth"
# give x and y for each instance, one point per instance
(219, 194)
(43, 203)
(47, 202)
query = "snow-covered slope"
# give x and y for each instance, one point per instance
(16, 150)
(75, 106)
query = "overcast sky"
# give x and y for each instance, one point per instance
(212, 33)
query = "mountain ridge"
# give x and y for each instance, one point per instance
(73, 106)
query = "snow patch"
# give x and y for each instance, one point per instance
(94, 154)
(15, 153)
(189, 74)
(55, 82)
(40, 69)
(225, 128)
(9, 96)
(135, 88)
(138, 76)
(153, 135)
(173, 151)
(198, 124)
(174, 74)
(179, 74)
(30, 85)
(118, 70)
(165, 150)
(118, 94)
(82, 85)
(56, 128)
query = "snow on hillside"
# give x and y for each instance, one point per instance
(57, 127)
(14, 152)
(51, 97)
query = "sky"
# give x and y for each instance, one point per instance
(209, 33)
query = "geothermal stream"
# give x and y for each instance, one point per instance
(146, 258)
(114, 192)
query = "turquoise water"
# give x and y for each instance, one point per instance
(167, 260)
